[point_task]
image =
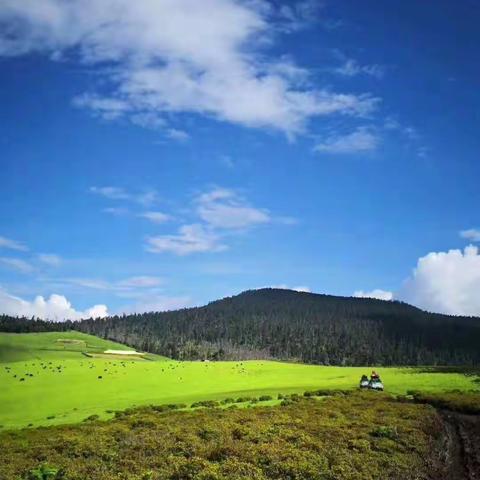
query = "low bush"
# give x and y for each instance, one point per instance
(243, 399)
(45, 472)
(385, 432)
(299, 440)
(205, 403)
(91, 418)
(264, 398)
(457, 402)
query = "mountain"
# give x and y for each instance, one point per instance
(290, 325)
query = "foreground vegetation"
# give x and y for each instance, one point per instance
(356, 436)
(61, 385)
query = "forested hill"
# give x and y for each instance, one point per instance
(284, 324)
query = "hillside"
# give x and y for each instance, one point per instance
(288, 325)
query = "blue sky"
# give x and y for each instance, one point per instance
(159, 154)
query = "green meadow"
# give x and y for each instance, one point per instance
(59, 378)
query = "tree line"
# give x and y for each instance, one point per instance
(294, 326)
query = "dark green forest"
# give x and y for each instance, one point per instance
(289, 325)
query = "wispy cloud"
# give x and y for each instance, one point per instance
(49, 259)
(145, 198)
(193, 238)
(219, 213)
(216, 67)
(178, 135)
(225, 209)
(17, 264)
(12, 244)
(127, 284)
(351, 68)
(117, 211)
(472, 234)
(155, 217)
(360, 140)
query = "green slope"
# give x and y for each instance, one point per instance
(65, 386)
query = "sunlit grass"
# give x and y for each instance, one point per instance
(66, 388)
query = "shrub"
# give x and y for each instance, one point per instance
(205, 403)
(91, 418)
(385, 432)
(264, 398)
(243, 399)
(45, 472)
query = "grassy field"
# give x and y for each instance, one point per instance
(62, 385)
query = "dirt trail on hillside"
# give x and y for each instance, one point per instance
(460, 452)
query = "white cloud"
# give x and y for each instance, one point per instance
(193, 238)
(142, 281)
(299, 288)
(351, 68)
(116, 211)
(299, 14)
(112, 193)
(446, 282)
(175, 56)
(473, 234)
(104, 107)
(178, 135)
(116, 193)
(49, 259)
(16, 264)
(12, 244)
(56, 308)
(360, 140)
(155, 217)
(377, 293)
(224, 209)
(130, 283)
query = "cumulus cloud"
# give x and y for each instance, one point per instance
(360, 140)
(377, 293)
(216, 66)
(12, 244)
(473, 234)
(446, 282)
(17, 264)
(56, 308)
(223, 208)
(193, 238)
